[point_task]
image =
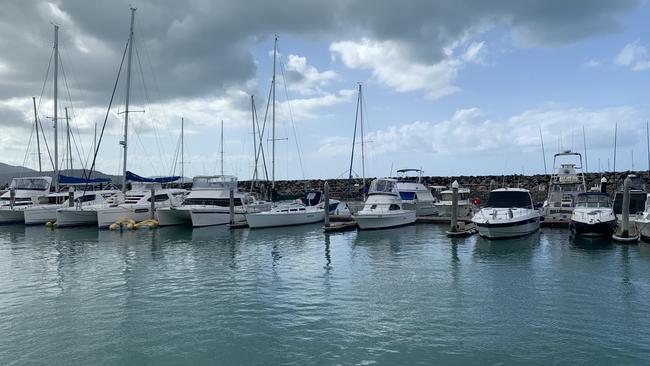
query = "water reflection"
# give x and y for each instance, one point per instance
(517, 248)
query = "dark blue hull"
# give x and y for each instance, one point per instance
(597, 229)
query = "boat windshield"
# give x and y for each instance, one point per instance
(382, 186)
(593, 201)
(509, 199)
(37, 184)
(215, 182)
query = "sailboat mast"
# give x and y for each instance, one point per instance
(182, 149)
(68, 150)
(363, 155)
(254, 139)
(126, 104)
(541, 138)
(275, 50)
(56, 102)
(354, 139)
(615, 134)
(221, 147)
(38, 139)
(584, 141)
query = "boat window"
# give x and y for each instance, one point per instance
(382, 185)
(85, 198)
(407, 196)
(637, 202)
(373, 207)
(509, 199)
(393, 207)
(37, 184)
(159, 198)
(220, 202)
(593, 201)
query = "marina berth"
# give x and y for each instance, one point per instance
(508, 213)
(465, 207)
(383, 207)
(566, 183)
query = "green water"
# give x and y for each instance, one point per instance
(296, 296)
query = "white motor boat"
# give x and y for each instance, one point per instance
(25, 192)
(208, 203)
(84, 210)
(593, 215)
(383, 207)
(137, 204)
(642, 221)
(566, 183)
(465, 207)
(415, 196)
(508, 213)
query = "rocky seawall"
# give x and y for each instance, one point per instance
(479, 186)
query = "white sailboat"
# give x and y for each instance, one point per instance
(283, 214)
(383, 207)
(21, 194)
(509, 213)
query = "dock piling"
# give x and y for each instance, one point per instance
(454, 207)
(231, 198)
(152, 202)
(326, 191)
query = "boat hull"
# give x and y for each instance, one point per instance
(39, 215)
(512, 229)
(606, 228)
(170, 216)
(384, 220)
(75, 217)
(464, 210)
(202, 218)
(274, 219)
(421, 208)
(110, 215)
(10, 215)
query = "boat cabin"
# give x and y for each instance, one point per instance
(593, 200)
(509, 198)
(383, 186)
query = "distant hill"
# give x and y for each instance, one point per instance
(8, 172)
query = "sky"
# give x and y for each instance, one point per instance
(462, 87)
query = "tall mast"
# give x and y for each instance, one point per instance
(38, 139)
(275, 50)
(354, 139)
(363, 156)
(126, 104)
(222, 147)
(56, 102)
(68, 150)
(255, 138)
(182, 149)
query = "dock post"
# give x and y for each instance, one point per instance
(71, 197)
(626, 208)
(454, 206)
(152, 206)
(12, 197)
(326, 190)
(231, 197)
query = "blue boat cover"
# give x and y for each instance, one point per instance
(136, 178)
(407, 196)
(64, 179)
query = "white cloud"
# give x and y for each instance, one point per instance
(591, 64)
(633, 55)
(467, 132)
(305, 78)
(391, 65)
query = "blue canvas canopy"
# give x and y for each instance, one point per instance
(64, 179)
(130, 176)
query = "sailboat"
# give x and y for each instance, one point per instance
(294, 213)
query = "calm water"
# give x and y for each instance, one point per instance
(296, 296)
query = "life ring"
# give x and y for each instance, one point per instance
(476, 201)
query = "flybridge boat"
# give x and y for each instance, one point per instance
(383, 207)
(593, 215)
(465, 207)
(508, 213)
(25, 192)
(414, 195)
(566, 184)
(208, 203)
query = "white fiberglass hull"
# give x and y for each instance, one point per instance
(10, 215)
(211, 217)
(444, 209)
(38, 215)
(169, 216)
(74, 216)
(274, 219)
(511, 229)
(384, 220)
(110, 215)
(421, 208)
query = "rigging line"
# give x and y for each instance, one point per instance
(137, 135)
(108, 111)
(175, 160)
(79, 154)
(260, 150)
(31, 134)
(153, 124)
(293, 125)
(47, 74)
(257, 124)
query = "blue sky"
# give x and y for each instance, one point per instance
(459, 96)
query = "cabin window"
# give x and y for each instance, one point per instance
(85, 198)
(159, 198)
(510, 199)
(393, 207)
(373, 207)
